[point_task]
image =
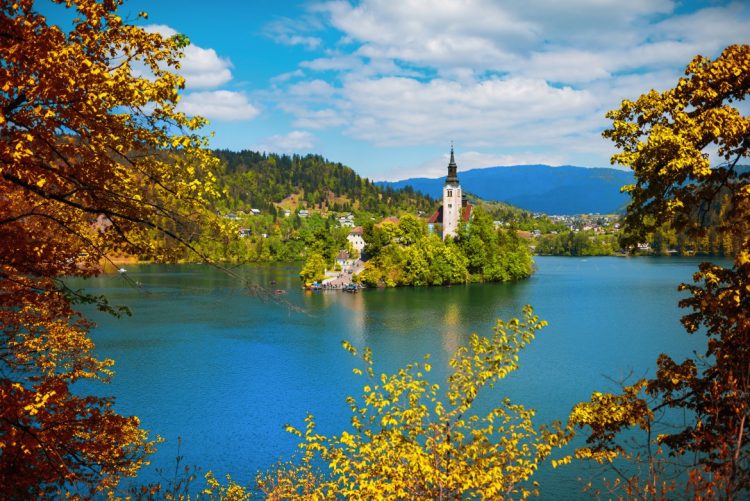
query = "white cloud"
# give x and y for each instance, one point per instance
(293, 32)
(294, 141)
(162, 29)
(521, 81)
(570, 42)
(430, 32)
(486, 34)
(398, 111)
(204, 69)
(314, 89)
(218, 105)
(711, 28)
(284, 77)
(338, 63)
(318, 119)
(201, 68)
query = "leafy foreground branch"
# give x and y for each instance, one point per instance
(95, 161)
(410, 442)
(668, 140)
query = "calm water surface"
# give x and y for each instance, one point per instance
(203, 359)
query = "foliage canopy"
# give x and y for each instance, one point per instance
(410, 442)
(670, 140)
(405, 253)
(94, 160)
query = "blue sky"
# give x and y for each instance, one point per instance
(384, 86)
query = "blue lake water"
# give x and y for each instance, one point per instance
(207, 360)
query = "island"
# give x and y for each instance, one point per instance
(457, 244)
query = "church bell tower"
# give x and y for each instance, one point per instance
(452, 200)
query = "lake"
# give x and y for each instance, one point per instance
(205, 359)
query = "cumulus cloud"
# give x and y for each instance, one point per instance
(403, 111)
(201, 68)
(520, 78)
(313, 89)
(204, 69)
(294, 141)
(318, 119)
(218, 105)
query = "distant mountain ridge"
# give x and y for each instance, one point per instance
(539, 188)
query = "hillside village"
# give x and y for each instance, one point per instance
(287, 207)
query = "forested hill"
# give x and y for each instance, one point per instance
(264, 180)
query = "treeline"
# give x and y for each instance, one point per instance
(715, 238)
(516, 217)
(261, 180)
(406, 253)
(273, 239)
(581, 243)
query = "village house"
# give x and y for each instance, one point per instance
(342, 259)
(346, 221)
(355, 239)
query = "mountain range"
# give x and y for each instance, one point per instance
(561, 190)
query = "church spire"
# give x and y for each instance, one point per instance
(452, 167)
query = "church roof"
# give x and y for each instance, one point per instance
(437, 216)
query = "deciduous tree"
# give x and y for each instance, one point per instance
(410, 442)
(94, 160)
(314, 269)
(686, 147)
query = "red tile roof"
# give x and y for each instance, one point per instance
(437, 216)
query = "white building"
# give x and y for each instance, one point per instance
(355, 238)
(454, 208)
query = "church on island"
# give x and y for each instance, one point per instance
(455, 207)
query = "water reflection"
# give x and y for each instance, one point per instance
(358, 318)
(204, 359)
(451, 332)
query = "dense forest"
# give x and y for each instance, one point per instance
(267, 181)
(581, 243)
(406, 253)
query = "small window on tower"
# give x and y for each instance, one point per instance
(450, 206)
(450, 193)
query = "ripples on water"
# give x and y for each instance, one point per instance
(202, 359)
